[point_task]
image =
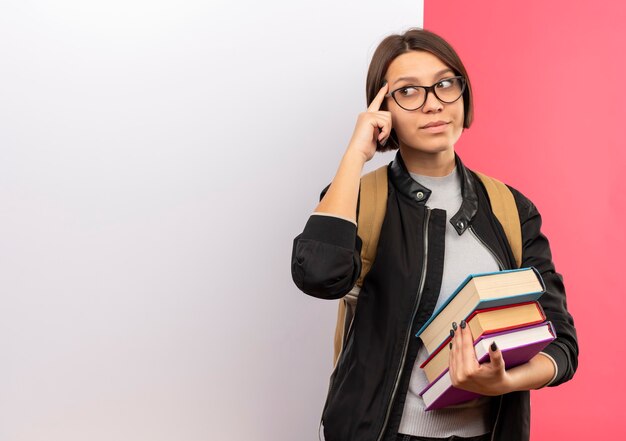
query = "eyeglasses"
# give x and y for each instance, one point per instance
(447, 90)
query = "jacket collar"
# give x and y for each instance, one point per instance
(416, 192)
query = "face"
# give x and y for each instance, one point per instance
(425, 69)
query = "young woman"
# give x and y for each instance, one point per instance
(438, 228)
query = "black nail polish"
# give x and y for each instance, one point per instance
(384, 82)
(450, 345)
(494, 347)
(463, 324)
(454, 325)
(451, 333)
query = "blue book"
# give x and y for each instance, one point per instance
(480, 291)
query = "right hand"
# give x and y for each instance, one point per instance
(372, 125)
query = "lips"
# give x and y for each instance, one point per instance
(434, 124)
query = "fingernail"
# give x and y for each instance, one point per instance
(450, 345)
(493, 346)
(454, 325)
(463, 324)
(384, 83)
(384, 141)
(451, 332)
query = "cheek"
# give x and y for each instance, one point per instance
(460, 117)
(403, 122)
(458, 127)
(460, 113)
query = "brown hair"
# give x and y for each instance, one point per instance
(414, 39)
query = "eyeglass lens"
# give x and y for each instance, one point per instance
(447, 90)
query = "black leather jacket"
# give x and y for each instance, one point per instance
(369, 384)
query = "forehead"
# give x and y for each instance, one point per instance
(421, 65)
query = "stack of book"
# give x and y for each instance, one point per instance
(501, 307)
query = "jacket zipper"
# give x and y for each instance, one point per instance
(408, 334)
(495, 256)
(493, 429)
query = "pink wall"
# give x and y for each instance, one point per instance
(550, 100)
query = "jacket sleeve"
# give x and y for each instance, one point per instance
(536, 252)
(326, 256)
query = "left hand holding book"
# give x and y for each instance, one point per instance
(466, 373)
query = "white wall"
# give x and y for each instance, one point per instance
(156, 160)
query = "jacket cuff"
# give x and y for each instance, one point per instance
(321, 213)
(559, 358)
(556, 368)
(331, 230)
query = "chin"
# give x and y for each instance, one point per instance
(432, 147)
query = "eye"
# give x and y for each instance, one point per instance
(407, 91)
(444, 84)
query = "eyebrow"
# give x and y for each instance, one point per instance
(441, 72)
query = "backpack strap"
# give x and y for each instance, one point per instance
(373, 206)
(504, 208)
(341, 329)
(372, 209)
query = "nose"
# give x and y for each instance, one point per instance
(432, 103)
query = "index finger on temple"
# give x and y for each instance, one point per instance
(378, 99)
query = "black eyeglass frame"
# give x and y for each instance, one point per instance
(429, 89)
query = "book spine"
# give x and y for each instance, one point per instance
(482, 305)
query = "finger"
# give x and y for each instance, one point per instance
(469, 354)
(385, 132)
(457, 344)
(380, 121)
(457, 351)
(452, 356)
(495, 354)
(378, 99)
(385, 128)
